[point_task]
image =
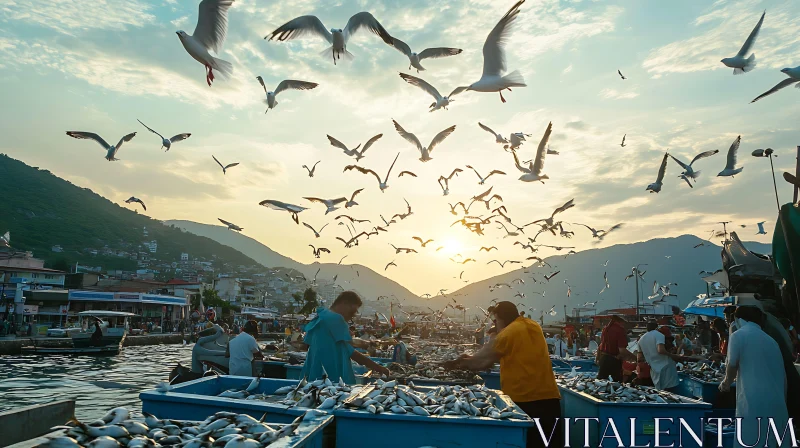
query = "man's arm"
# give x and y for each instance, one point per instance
(662, 349)
(360, 343)
(368, 363)
(484, 359)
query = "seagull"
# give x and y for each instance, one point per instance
(340, 261)
(352, 220)
(383, 185)
(316, 234)
(352, 202)
(494, 59)
(730, 166)
(453, 208)
(699, 245)
(224, 167)
(391, 263)
(607, 286)
(689, 172)
(397, 250)
(425, 152)
(760, 225)
(623, 141)
(111, 151)
(793, 77)
(337, 37)
(440, 102)
(503, 264)
(446, 185)
(167, 142)
(402, 216)
(551, 152)
(741, 63)
(354, 151)
(534, 170)
(508, 233)
(549, 221)
(283, 206)
(286, 84)
(135, 199)
(688, 181)
(423, 243)
(621, 75)
(231, 226)
(482, 198)
(414, 59)
(552, 311)
(209, 34)
(402, 173)
(488, 249)
(515, 140)
(317, 251)
(483, 179)
(311, 171)
(330, 203)
(655, 187)
(606, 232)
(590, 304)
(498, 138)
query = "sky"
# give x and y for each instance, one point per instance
(101, 65)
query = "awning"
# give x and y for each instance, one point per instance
(710, 306)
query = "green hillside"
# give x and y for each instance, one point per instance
(42, 210)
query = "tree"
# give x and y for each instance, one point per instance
(308, 302)
(211, 298)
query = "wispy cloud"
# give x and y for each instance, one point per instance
(70, 16)
(614, 94)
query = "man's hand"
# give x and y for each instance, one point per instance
(725, 385)
(454, 364)
(382, 370)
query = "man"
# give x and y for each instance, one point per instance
(330, 344)
(400, 353)
(729, 311)
(243, 348)
(526, 373)
(663, 368)
(755, 362)
(559, 347)
(612, 350)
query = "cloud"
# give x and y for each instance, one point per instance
(70, 16)
(567, 70)
(723, 30)
(614, 94)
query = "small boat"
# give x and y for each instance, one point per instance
(113, 329)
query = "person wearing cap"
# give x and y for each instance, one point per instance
(612, 350)
(243, 349)
(663, 368)
(330, 345)
(526, 372)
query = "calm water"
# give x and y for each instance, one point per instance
(97, 383)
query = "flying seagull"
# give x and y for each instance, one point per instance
(688, 171)
(331, 204)
(440, 102)
(453, 208)
(337, 37)
(446, 185)
(741, 63)
(760, 225)
(498, 138)
(623, 140)
(316, 233)
(209, 34)
(283, 206)
(549, 221)
(414, 59)
(425, 152)
(655, 187)
(494, 59)
(383, 185)
(793, 77)
(135, 199)
(354, 152)
(621, 75)
(533, 171)
(231, 226)
(167, 142)
(352, 202)
(317, 251)
(730, 166)
(224, 167)
(311, 171)
(483, 179)
(391, 263)
(286, 84)
(423, 243)
(406, 172)
(111, 151)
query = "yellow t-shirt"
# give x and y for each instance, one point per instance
(526, 372)
(288, 331)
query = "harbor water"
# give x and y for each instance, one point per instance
(96, 383)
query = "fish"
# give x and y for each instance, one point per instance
(253, 384)
(104, 442)
(60, 442)
(242, 442)
(116, 415)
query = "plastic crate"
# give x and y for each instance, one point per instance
(584, 365)
(382, 360)
(581, 405)
(711, 437)
(356, 428)
(295, 372)
(492, 379)
(196, 400)
(270, 369)
(312, 433)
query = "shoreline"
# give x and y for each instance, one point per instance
(14, 346)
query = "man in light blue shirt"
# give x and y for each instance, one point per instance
(330, 344)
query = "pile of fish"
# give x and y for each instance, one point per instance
(223, 430)
(408, 372)
(609, 390)
(704, 372)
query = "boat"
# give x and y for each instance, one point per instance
(113, 326)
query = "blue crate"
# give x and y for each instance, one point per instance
(355, 428)
(703, 390)
(270, 369)
(711, 437)
(581, 405)
(310, 434)
(382, 360)
(196, 400)
(584, 365)
(295, 372)
(491, 379)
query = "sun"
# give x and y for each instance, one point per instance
(451, 246)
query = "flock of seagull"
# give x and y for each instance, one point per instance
(209, 36)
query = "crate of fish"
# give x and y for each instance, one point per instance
(222, 429)
(198, 399)
(295, 372)
(430, 375)
(627, 412)
(701, 380)
(404, 416)
(583, 364)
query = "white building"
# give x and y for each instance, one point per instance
(152, 246)
(184, 256)
(228, 288)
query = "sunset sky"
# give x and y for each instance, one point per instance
(99, 65)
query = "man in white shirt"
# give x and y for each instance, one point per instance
(243, 348)
(559, 347)
(663, 369)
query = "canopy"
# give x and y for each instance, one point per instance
(710, 306)
(100, 313)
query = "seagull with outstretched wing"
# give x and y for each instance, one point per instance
(167, 142)
(414, 59)
(425, 152)
(111, 151)
(209, 35)
(287, 84)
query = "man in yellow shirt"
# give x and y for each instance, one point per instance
(526, 372)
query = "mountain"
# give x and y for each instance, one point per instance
(584, 273)
(361, 278)
(41, 210)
